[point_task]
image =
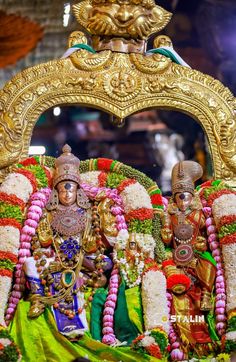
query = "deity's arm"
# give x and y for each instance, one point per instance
(166, 228)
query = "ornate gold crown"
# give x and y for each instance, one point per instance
(184, 174)
(66, 167)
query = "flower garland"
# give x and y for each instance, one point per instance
(11, 219)
(8, 349)
(36, 205)
(154, 343)
(176, 353)
(14, 195)
(224, 211)
(153, 295)
(109, 310)
(222, 200)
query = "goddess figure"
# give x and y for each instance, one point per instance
(190, 268)
(87, 279)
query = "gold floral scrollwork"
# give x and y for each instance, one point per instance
(83, 59)
(10, 139)
(122, 85)
(150, 64)
(227, 143)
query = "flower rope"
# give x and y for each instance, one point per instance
(37, 203)
(219, 207)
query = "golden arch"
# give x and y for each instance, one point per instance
(120, 84)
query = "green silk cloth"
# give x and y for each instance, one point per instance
(39, 339)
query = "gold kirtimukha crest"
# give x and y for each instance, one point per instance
(114, 24)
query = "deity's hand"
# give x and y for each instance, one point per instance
(200, 244)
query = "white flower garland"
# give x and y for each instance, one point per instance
(18, 185)
(223, 206)
(90, 178)
(229, 256)
(154, 300)
(146, 243)
(5, 286)
(134, 197)
(9, 239)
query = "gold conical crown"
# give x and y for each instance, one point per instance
(66, 167)
(184, 174)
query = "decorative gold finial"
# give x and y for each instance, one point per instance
(121, 25)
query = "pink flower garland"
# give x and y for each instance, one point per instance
(220, 280)
(176, 353)
(38, 201)
(117, 209)
(109, 310)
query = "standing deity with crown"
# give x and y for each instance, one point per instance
(190, 268)
(82, 280)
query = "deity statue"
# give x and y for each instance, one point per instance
(190, 269)
(87, 279)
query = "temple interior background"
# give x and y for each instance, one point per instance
(203, 33)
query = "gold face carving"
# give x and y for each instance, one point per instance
(127, 19)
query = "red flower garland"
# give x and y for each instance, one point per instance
(48, 175)
(176, 279)
(6, 273)
(226, 220)
(217, 194)
(156, 199)
(10, 222)
(125, 183)
(150, 264)
(29, 161)
(12, 199)
(8, 255)
(154, 350)
(167, 263)
(140, 214)
(228, 239)
(102, 179)
(104, 164)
